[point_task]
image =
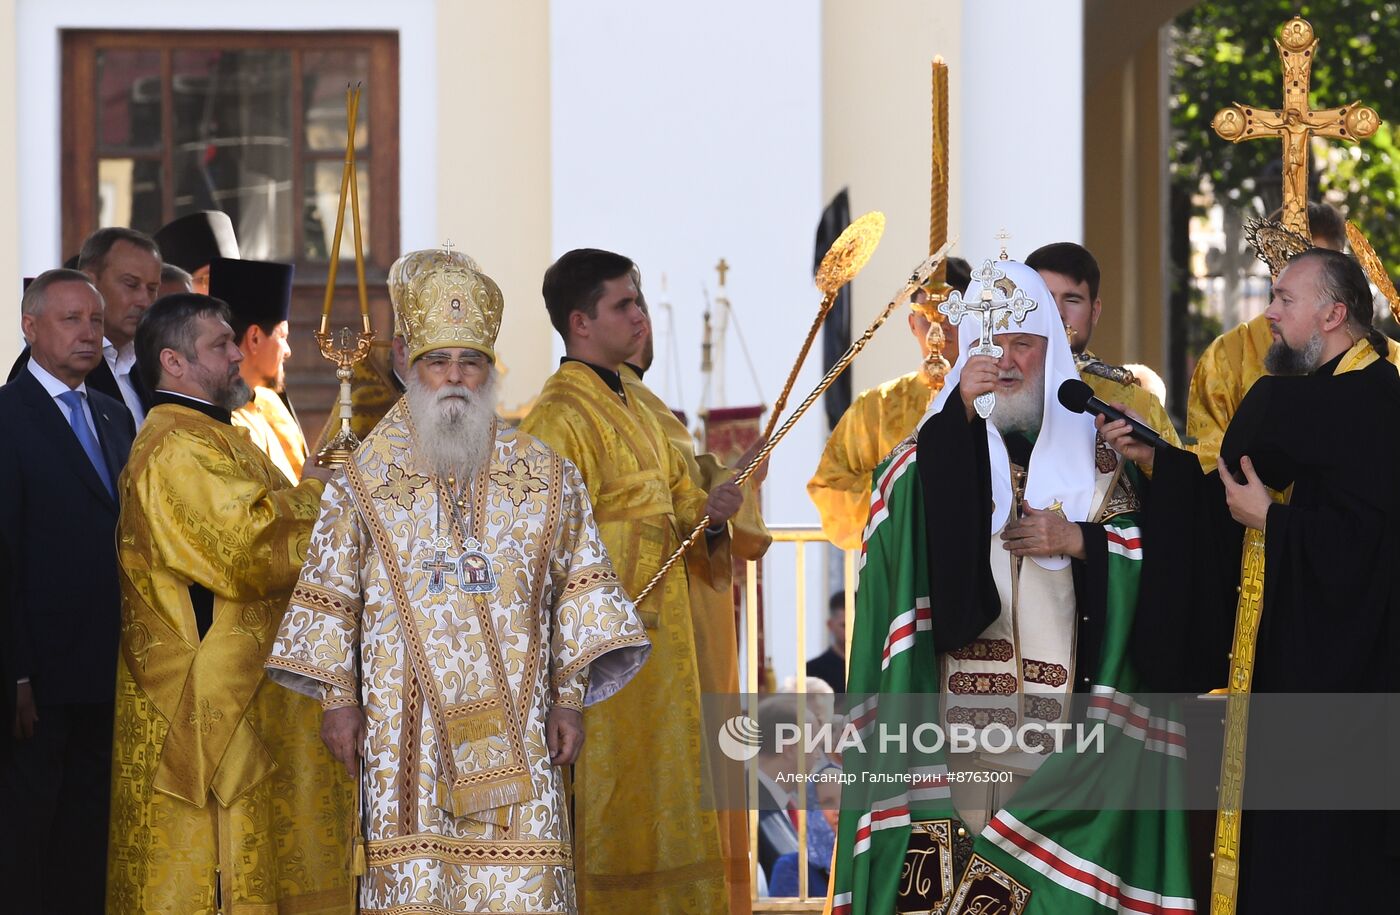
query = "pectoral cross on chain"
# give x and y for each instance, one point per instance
(996, 309)
(437, 569)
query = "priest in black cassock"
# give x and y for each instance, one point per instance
(1324, 428)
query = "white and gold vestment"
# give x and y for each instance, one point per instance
(512, 606)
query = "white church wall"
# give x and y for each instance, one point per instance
(686, 133)
(11, 219)
(493, 188)
(1015, 113)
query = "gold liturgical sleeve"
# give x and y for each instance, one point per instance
(872, 425)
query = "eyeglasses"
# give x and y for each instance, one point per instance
(438, 363)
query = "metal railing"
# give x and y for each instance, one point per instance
(809, 898)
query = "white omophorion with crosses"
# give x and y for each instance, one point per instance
(999, 302)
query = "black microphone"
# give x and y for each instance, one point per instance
(1078, 397)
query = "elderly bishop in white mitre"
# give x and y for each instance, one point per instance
(456, 612)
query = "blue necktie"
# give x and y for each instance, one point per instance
(78, 420)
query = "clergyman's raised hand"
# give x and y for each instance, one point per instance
(979, 376)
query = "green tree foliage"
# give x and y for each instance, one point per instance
(1224, 52)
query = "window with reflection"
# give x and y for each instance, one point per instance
(157, 124)
(160, 124)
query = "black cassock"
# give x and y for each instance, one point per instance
(1327, 624)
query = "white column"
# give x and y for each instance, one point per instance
(682, 133)
(492, 187)
(11, 340)
(1021, 142)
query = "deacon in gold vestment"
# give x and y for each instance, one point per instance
(712, 601)
(223, 799)
(274, 431)
(456, 614)
(879, 419)
(259, 296)
(645, 840)
(876, 421)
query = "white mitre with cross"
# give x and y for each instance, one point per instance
(1013, 299)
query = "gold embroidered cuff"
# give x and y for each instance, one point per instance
(572, 691)
(337, 697)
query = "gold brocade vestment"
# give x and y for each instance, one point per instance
(222, 793)
(1141, 401)
(455, 628)
(876, 421)
(645, 841)
(274, 431)
(712, 604)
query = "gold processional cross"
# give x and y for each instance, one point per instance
(1296, 124)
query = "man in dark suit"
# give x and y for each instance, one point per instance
(830, 665)
(124, 265)
(63, 448)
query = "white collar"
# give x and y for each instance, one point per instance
(186, 397)
(122, 358)
(52, 385)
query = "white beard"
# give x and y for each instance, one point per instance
(1022, 410)
(454, 437)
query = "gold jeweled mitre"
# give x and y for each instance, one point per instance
(451, 306)
(412, 264)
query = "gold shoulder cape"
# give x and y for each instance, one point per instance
(274, 431)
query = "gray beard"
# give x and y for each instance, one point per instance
(455, 439)
(1282, 359)
(229, 393)
(1022, 411)
(236, 396)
